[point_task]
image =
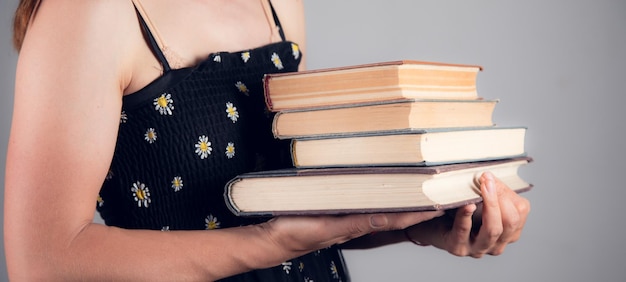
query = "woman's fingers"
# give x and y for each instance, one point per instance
(458, 239)
(491, 228)
(510, 227)
(514, 210)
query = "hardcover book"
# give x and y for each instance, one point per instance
(366, 189)
(386, 116)
(418, 147)
(370, 83)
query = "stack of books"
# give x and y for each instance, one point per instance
(386, 137)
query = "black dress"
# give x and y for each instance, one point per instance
(183, 136)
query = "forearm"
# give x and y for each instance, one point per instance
(99, 253)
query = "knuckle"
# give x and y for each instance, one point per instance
(497, 251)
(459, 252)
(356, 229)
(515, 237)
(523, 206)
(462, 231)
(494, 234)
(512, 223)
(492, 204)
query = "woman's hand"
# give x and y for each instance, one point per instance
(296, 234)
(503, 214)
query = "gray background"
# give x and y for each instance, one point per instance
(557, 67)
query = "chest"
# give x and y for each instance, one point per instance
(194, 29)
(187, 32)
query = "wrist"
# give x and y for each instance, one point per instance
(277, 244)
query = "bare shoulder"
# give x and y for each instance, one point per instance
(291, 15)
(93, 32)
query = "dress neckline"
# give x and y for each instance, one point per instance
(169, 58)
(172, 76)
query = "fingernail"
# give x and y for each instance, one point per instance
(489, 175)
(378, 220)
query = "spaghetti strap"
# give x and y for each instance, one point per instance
(152, 40)
(277, 21)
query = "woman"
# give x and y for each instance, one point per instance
(143, 110)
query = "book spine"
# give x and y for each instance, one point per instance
(228, 199)
(266, 91)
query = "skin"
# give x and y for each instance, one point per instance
(70, 80)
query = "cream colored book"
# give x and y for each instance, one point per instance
(410, 148)
(366, 189)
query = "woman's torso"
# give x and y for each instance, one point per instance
(192, 119)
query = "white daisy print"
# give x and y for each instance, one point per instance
(203, 147)
(141, 193)
(307, 279)
(301, 266)
(230, 150)
(295, 50)
(150, 135)
(164, 104)
(286, 266)
(245, 56)
(100, 201)
(333, 270)
(165, 228)
(123, 117)
(177, 183)
(217, 58)
(231, 112)
(277, 62)
(211, 222)
(242, 87)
